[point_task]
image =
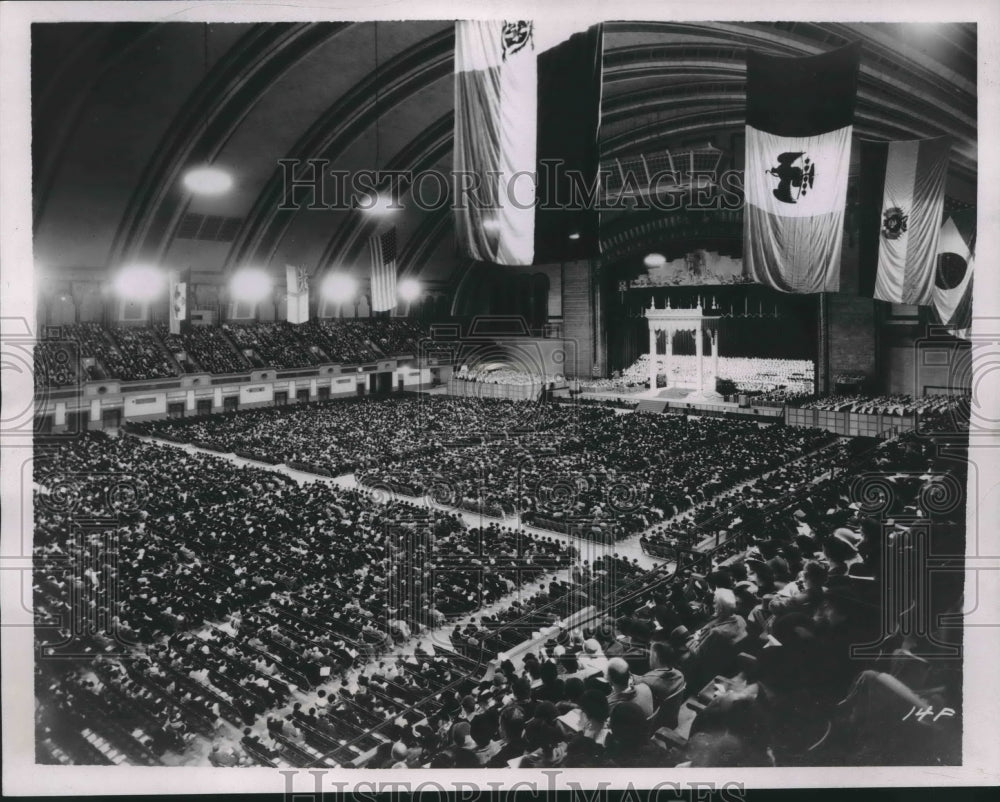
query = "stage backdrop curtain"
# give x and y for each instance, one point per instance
(800, 117)
(901, 202)
(527, 118)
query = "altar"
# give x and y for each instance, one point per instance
(670, 321)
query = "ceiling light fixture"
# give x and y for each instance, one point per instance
(250, 285)
(208, 180)
(139, 282)
(409, 289)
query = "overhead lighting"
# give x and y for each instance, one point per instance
(208, 180)
(409, 289)
(654, 260)
(250, 285)
(339, 287)
(379, 203)
(139, 282)
(575, 235)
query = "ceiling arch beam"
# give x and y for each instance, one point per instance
(344, 122)
(205, 123)
(60, 104)
(422, 152)
(914, 116)
(426, 246)
(410, 253)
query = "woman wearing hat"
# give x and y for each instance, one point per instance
(592, 659)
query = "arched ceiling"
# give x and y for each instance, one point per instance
(120, 110)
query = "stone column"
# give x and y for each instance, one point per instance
(699, 356)
(715, 354)
(652, 356)
(668, 353)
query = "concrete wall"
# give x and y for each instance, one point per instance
(925, 367)
(852, 335)
(580, 324)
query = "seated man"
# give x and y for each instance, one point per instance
(220, 757)
(663, 678)
(713, 647)
(625, 688)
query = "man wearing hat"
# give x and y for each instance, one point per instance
(840, 550)
(847, 616)
(637, 652)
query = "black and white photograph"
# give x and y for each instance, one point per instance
(473, 390)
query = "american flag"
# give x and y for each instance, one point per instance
(383, 248)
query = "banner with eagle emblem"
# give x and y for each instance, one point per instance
(527, 118)
(800, 117)
(901, 201)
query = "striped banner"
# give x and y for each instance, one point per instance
(383, 253)
(527, 117)
(800, 117)
(901, 203)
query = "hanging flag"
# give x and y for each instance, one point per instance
(383, 251)
(178, 299)
(527, 117)
(901, 201)
(800, 116)
(953, 277)
(297, 288)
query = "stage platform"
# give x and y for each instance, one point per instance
(675, 400)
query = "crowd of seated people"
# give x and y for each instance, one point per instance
(341, 435)
(303, 577)
(899, 404)
(746, 662)
(347, 341)
(400, 711)
(55, 364)
(634, 378)
(750, 374)
(503, 375)
(757, 374)
(123, 352)
(92, 343)
(207, 347)
(776, 655)
(612, 403)
(396, 336)
(779, 398)
(247, 588)
(275, 344)
(607, 476)
(140, 355)
(718, 519)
